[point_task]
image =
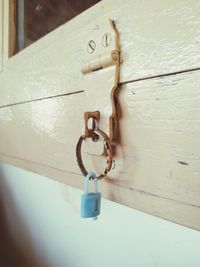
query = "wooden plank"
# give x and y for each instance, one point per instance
(156, 166)
(157, 37)
(169, 209)
(4, 46)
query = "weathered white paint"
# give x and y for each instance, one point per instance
(43, 218)
(156, 37)
(157, 157)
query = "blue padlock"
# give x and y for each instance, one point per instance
(90, 201)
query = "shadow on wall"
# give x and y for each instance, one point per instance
(11, 255)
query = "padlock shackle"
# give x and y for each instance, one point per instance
(87, 180)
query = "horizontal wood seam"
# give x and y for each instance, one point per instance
(155, 195)
(161, 75)
(116, 184)
(43, 98)
(37, 163)
(126, 82)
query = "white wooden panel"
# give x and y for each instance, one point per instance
(157, 37)
(158, 156)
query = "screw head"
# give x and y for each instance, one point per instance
(106, 39)
(91, 46)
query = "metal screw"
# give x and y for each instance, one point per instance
(91, 46)
(106, 39)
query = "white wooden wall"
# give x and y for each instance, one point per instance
(157, 161)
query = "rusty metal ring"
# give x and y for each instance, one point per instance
(108, 150)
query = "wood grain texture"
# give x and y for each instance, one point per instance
(157, 37)
(157, 160)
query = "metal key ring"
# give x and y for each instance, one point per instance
(108, 150)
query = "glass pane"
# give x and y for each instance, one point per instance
(34, 19)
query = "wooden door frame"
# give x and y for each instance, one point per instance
(1, 35)
(7, 31)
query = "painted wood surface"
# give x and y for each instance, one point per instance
(157, 37)
(156, 166)
(157, 160)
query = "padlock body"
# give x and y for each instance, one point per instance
(90, 204)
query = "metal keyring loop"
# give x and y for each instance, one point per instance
(107, 147)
